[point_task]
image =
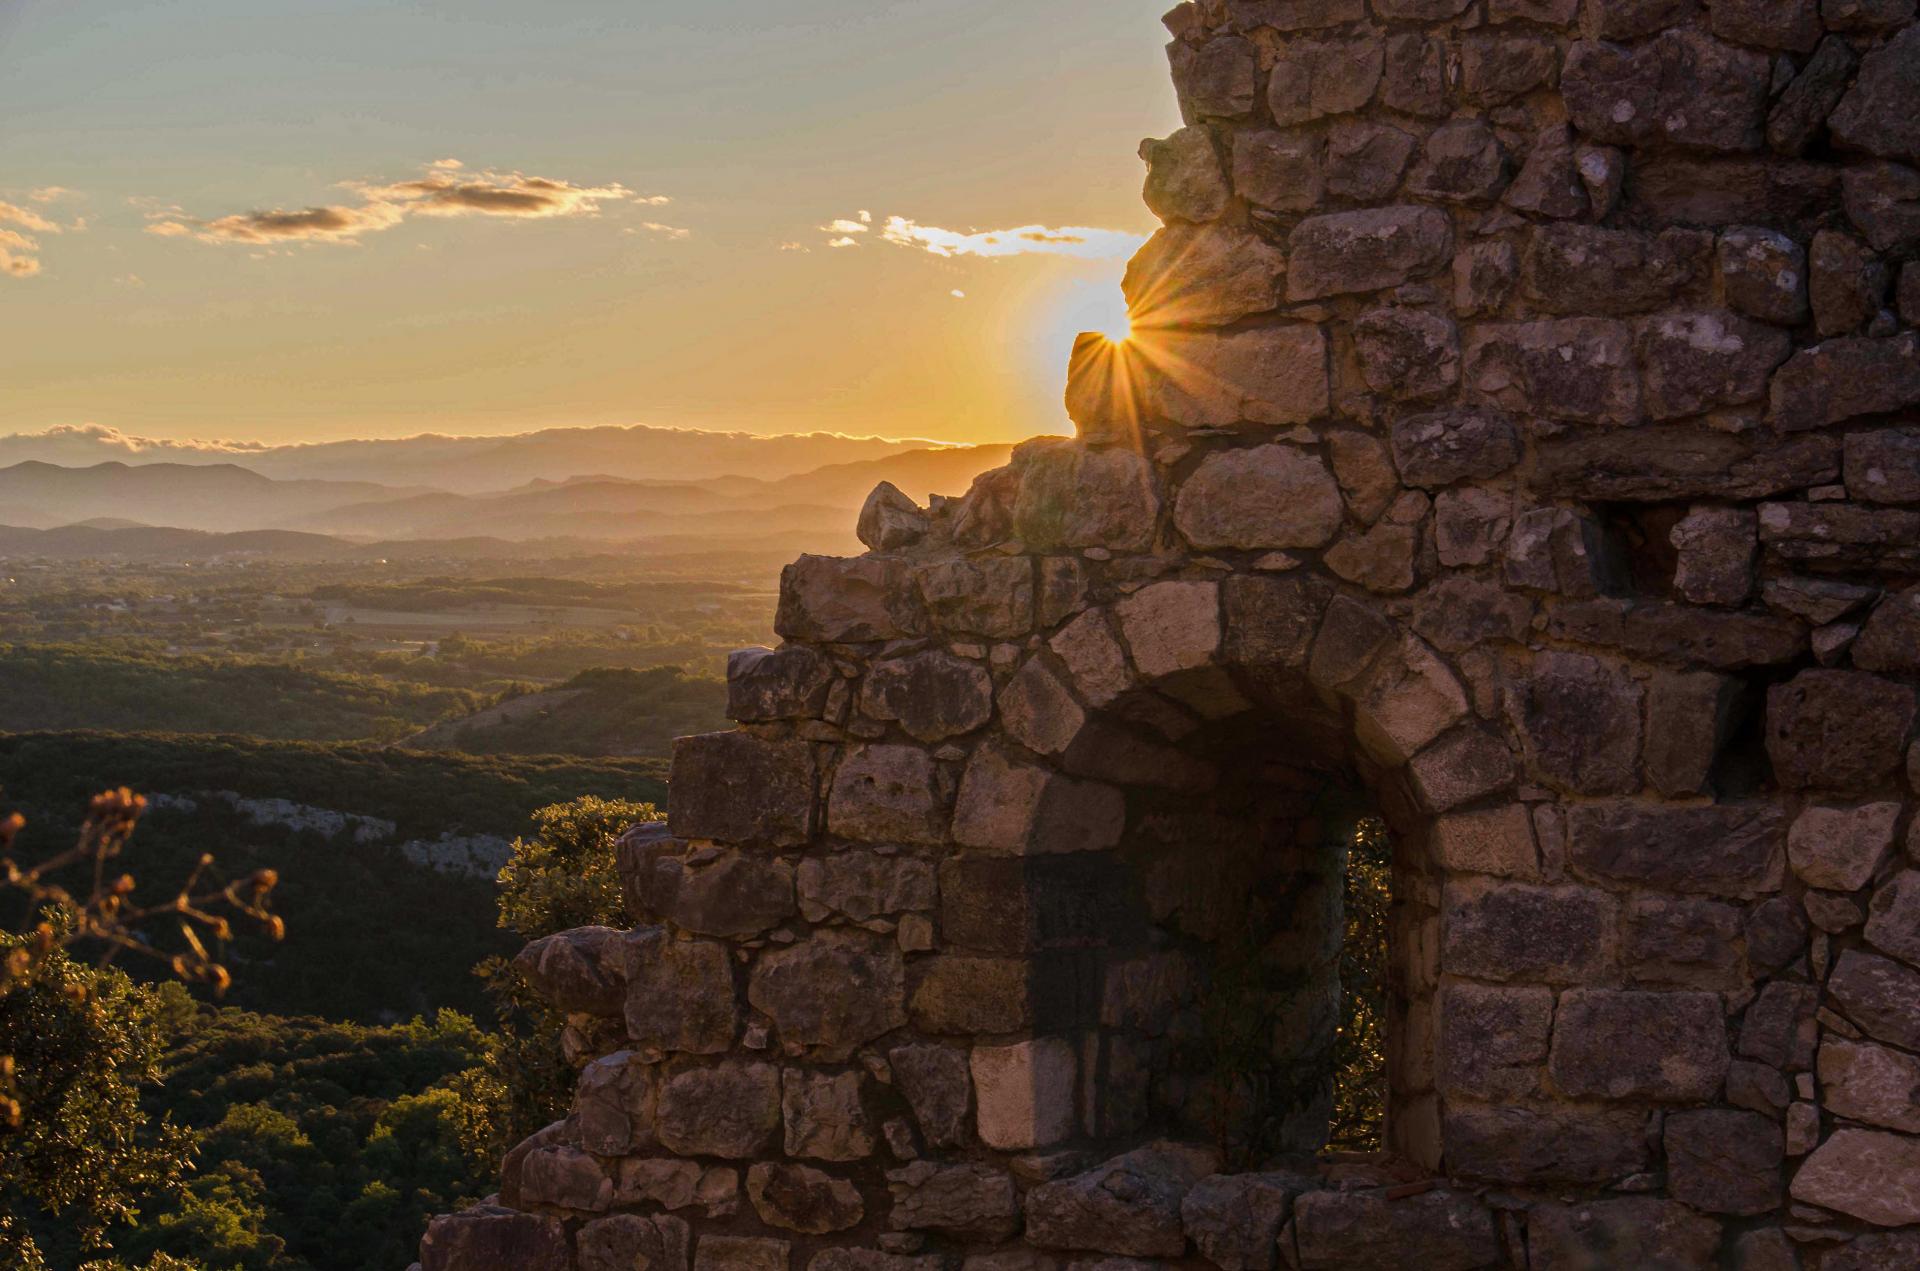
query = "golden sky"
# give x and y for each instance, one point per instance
(286, 221)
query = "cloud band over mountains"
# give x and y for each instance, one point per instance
(444, 189)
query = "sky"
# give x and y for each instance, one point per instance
(284, 221)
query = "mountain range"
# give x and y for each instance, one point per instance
(169, 508)
(474, 465)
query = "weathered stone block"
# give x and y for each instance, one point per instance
(1073, 496)
(835, 990)
(1689, 716)
(1516, 931)
(733, 894)
(1839, 848)
(1715, 549)
(803, 1199)
(957, 994)
(1444, 1231)
(933, 694)
(1726, 850)
(1779, 1028)
(1493, 1041)
(1880, 995)
(991, 597)
(578, 971)
(771, 684)
(1173, 626)
(679, 993)
(1666, 939)
(831, 598)
(1265, 375)
(1281, 171)
(1407, 353)
(1184, 178)
(1204, 275)
(741, 1253)
(1586, 270)
(565, 1178)
(824, 1116)
(1616, 1044)
(863, 885)
(1234, 1219)
(1580, 369)
(1517, 1145)
(1683, 87)
(1368, 250)
(884, 793)
(1024, 1094)
(1893, 919)
(742, 789)
(1441, 447)
(1844, 379)
(1875, 1084)
(1866, 1174)
(613, 1105)
(1706, 360)
(1877, 113)
(938, 1088)
(970, 1202)
(1723, 1161)
(1005, 805)
(488, 1236)
(1625, 1231)
(1837, 730)
(1890, 640)
(1765, 273)
(1129, 1205)
(1580, 720)
(623, 1241)
(726, 1108)
(1493, 841)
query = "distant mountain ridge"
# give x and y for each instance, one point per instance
(473, 465)
(161, 510)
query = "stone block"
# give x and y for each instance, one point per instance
(581, 971)
(1441, 447)
(1281, 171)
(1585, 270)
(1715, 549)
(1681, 940)
(733, 894)
(887, 794)
(835, 990)
(1728, 849)
(1234, 1220)
(824, 1116)
(1038, 711)
(938, 1088)
(1875, 1084)
(1493, 1041)
(740, 788)
(1890, 641)
(1008, 806)
(1495, 841)
(1462, 161)
(680, 994)
(1616, 1044)
(991, 597)
(863, 885)
(1866, 1174)
(726, 1108)
(1839, 848)
(1578, 369)
(1837, 730)
(1681, 87)
(1517, 931)
(613, 1105)
(1765, 274)
(1893, 918)
(1880, 995)
(1724, 1161)
(623, 1241)
(1467, 763)
(834, 598)
(961, 995)
(1689, 716)
(1625, 1231)
(968, 1202)
(1580, 721)
(1173, 626)
(1268, 496)
(1876, 115)
(1024, 1093)
(1440, 1231)
(1845, 378)
(1369, 250)
(1129, 1205)
(1203, 275)
(1779, 1028)
(1519, 1145)
(565, 1178)
(1315, 78)
(741, 1253)
(1272, 621)
(772, 684)
(803, 1199)
(1073, 496)
(1184, 178)
(484, 1237)
(932, 694)
(1407, 353)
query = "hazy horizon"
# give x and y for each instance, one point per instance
(389, 219)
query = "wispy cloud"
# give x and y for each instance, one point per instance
(672, 232)
(1079, 241)
(444, 189)
(19, 250)
(52, 194)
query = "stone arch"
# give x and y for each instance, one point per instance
(1520, 409)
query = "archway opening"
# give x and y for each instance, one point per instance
(1250, 977)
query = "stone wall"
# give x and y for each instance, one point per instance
(1520, 423)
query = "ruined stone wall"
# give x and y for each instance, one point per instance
(1520, 425)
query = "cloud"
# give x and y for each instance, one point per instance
(845, 226)
(52, 194)
(19, 252)
(1078, 241)
(445, 189)
(673, 232)
(843, 241)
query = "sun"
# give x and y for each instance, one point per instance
(1097, 306)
